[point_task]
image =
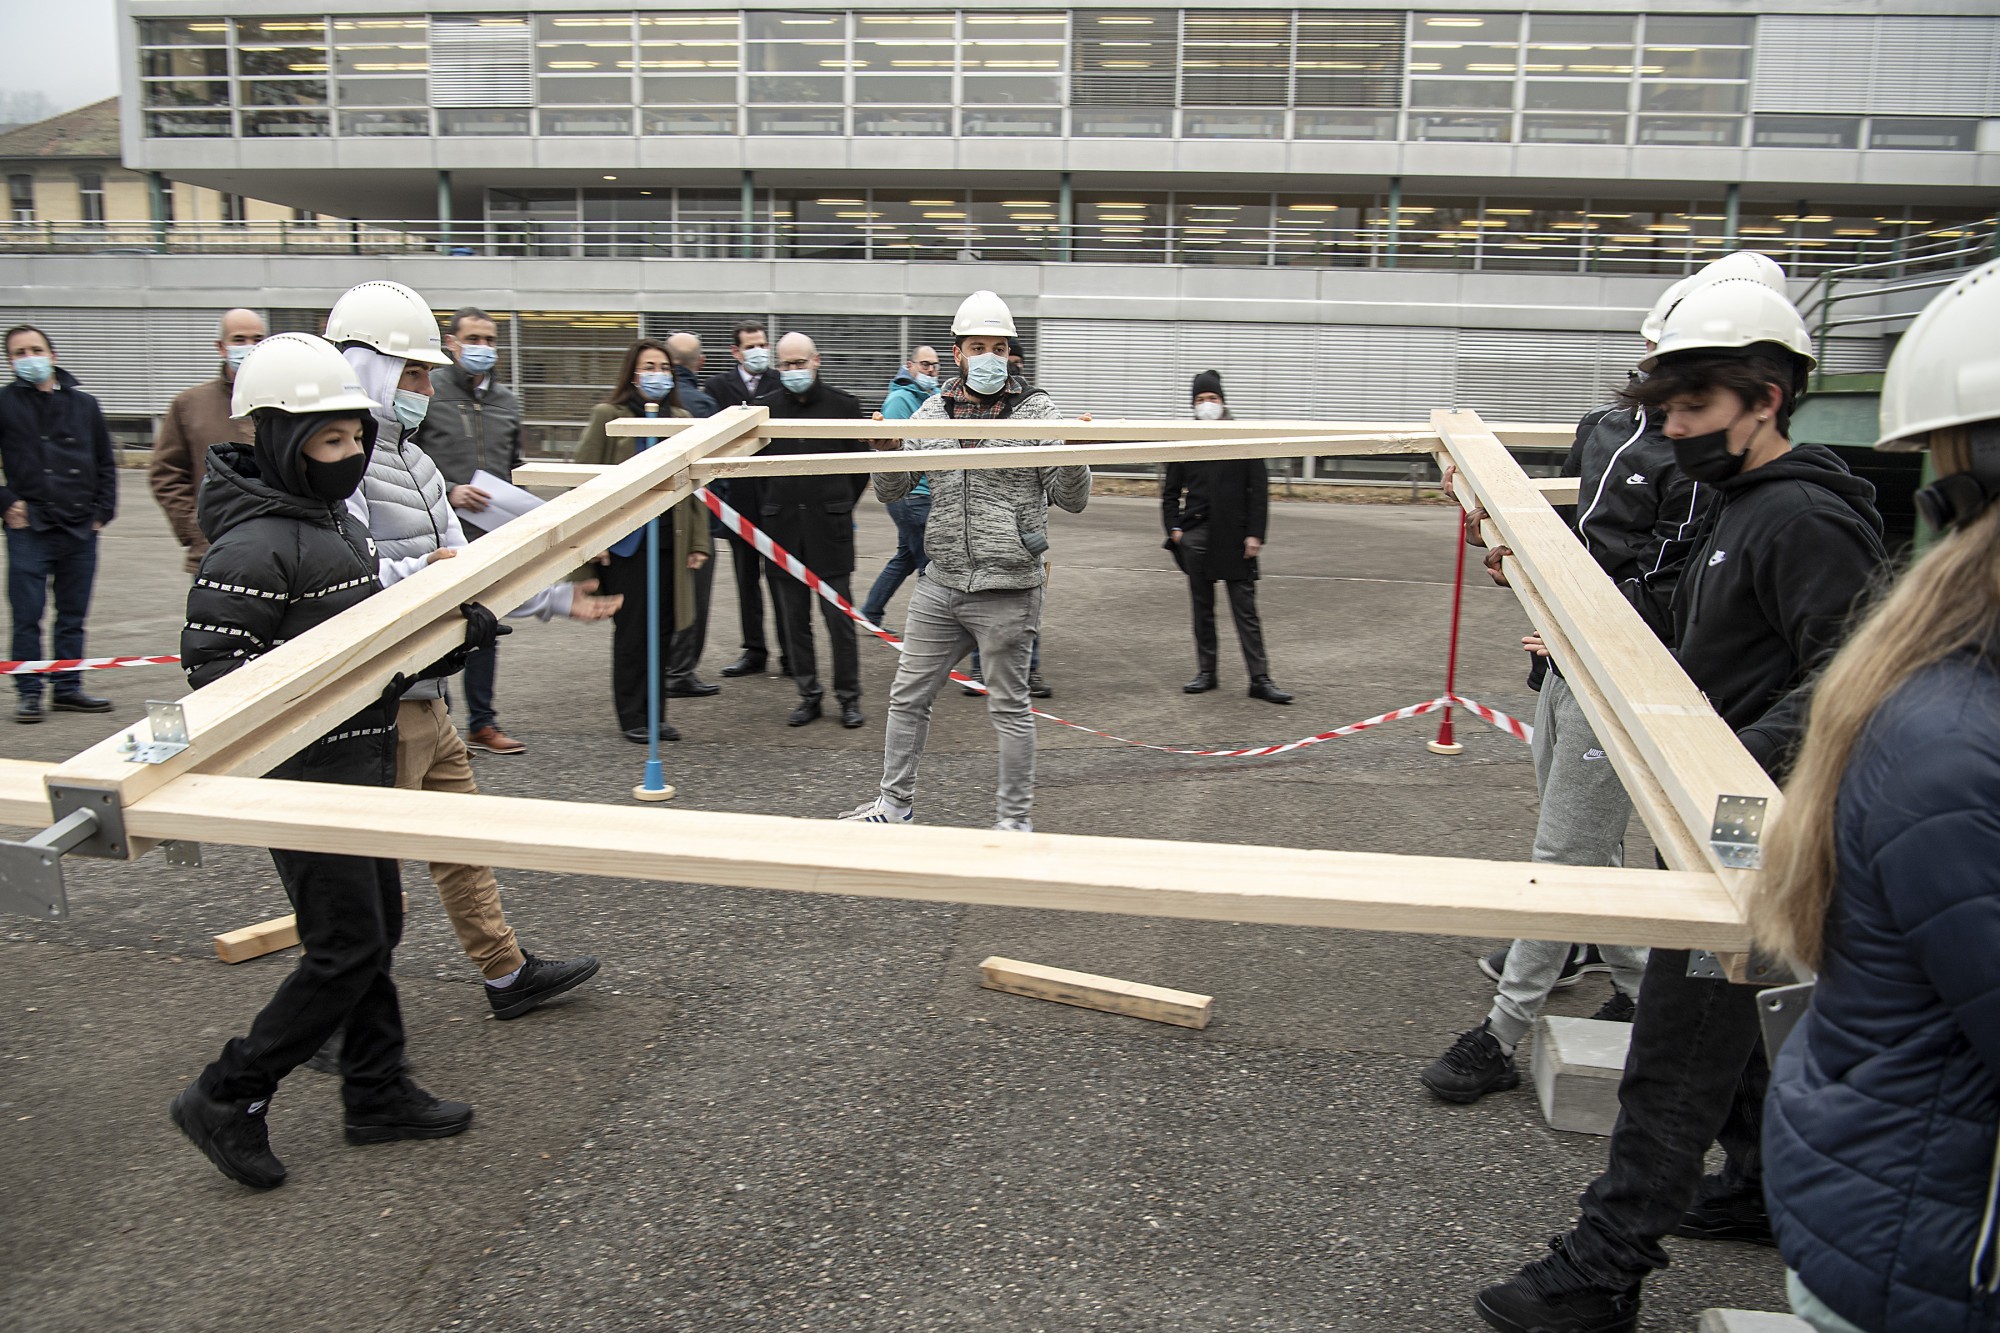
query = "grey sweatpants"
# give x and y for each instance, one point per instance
(1584, 813)
(940, 625)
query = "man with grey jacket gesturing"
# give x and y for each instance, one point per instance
(986, 538)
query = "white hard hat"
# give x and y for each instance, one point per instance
(1946, 370)
(983, 312)
(390, 318)
(1730, 314)
(296, 373)
(1737, 264)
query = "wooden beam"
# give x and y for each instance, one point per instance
(300, 688)
(1086, 991)
(240, 946)
(1557, 490)
(1676, 735)
(1519, 435)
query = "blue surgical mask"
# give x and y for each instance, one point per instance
(478, 357)
(237, 353)
(928, 383)
(756, 360)
(798, 381)
(34, 369)
(986, 373)
(656, 384)
(411, 407)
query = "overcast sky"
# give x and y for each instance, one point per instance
(64, 50)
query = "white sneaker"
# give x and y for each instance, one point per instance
(1015, 826)
(879, 811)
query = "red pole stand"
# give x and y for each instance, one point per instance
(1445, 744)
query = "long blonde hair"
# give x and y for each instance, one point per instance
(1947, 601)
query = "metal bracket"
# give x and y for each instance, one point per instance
(170, 733)
(1737, 833)
(180, 852)
(1779, 1010)
(31, 879)
(1758, 969)
(107, 839)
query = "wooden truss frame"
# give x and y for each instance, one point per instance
(1677, 758)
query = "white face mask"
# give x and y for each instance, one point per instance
(756, 360)
(1208, 411)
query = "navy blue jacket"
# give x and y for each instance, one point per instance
(1880, 1131)
(55, 452)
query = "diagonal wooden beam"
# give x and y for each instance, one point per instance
(300, 688)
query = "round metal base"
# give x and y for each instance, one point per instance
(1443, 747)
(640, 793)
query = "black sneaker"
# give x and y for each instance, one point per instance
(76, 701)
(1618, 1009)
(232, 1135)
(1573, 968)
(1039, 688)
(1723, 1214)
(410, 1113)
(1553, 1296)
(540, 980)
(1474, 1066)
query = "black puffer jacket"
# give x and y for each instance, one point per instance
(1879, 1152)
(1636, 512)
(279, 562)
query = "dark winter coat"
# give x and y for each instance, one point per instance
(697, 400)
(690, 534)
(465, 431)
(1779, 566)
(813, 517)
(1231, 498)
(55, 454)
(1880, 1128)
(281, 561)
(744, 494)
(1636, 512)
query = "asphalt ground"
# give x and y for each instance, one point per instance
(793, 1112)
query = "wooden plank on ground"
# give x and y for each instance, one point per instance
(1676, 734)
(240, 946)
(300, 688)
(1086, 991)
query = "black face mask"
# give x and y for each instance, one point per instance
(1706, 458)
(334, 482)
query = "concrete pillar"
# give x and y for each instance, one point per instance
(1732, 207)
(1395, 217)
(748, 208)
(163, 204)
(1065, 218)
(444, 212)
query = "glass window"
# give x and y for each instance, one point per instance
(1429, 232)
(779, 26)
(1462, 44)
(812, 227)
(384, 92)
(798, 120)
(1529, 234)
(1806, 131)
(903, 122)
(1485, 93)
(184, 32)
(798, 57)
(1223, 228)
(285, 124)
(279, 48)
(670, 43)
(1436, 127)
(768, 88)
(1344, 125)
(1575, 95)
(919, 88)
(932, 224)
(1348, 60)
(1111, 122)
(1013, 224)
(188, 125)
(1013, 90)
(691, 89)
(365, 45)
(583, 43)
(1923, 135)
(597, 120)
(1236, 57)
(185, 62)
(906, 43)
(21, 197)
(1573, 129)
(1692, 131)
(371, 124)
(187, 92)
(1124, 58)
(1640, 236)
(1710, 98)
(615, 90)
(1022, 123)
(1121, 228)
(679, 121)
(483, 121)
(1198, 124)
(90, 195)
(1697, 48)
(285, 92)
(1319, 232)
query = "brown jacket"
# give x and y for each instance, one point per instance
(690, 520)
(196, 419)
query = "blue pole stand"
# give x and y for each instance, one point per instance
(654, 787)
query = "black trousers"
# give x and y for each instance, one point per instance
(1696, 1075)
(750, 573)
(626, 576)
(350, 916)
(1242, 608)
(690, 643)
(795, 637)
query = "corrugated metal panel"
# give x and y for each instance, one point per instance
(1854, 356)
(132, 361)
(482, 62)
(1124, 57)
(1862, 65)
(1389, 372)
(1532, 375)
(1349, 59)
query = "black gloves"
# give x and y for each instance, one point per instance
(482, 627)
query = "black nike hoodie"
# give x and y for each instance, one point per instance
(1777, 572)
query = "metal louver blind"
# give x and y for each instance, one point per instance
(1540, 375)
(482, 62)
(1124, 57)
(1238, 57)
(97, 346)
(1853, 356)
(286, 319)
(1935, 66)
(1349, 59)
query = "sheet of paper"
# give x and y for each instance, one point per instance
(505, 501)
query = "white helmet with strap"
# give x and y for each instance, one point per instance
(1946, 370)
(983, 313)
(1730, 314)
(1739, 264)
(296, 373)
(390, 318)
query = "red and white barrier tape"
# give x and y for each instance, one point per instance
(43, 668)
(792, 565)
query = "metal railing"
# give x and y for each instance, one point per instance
(1465, 248)
(1888, 279)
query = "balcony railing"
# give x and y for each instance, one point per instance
(1376, 247)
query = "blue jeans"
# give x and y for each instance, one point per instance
(910, 513)
(478, 676)
(34, 560)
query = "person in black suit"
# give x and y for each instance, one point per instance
(744, 382)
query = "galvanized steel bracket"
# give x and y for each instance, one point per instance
(1737, 833)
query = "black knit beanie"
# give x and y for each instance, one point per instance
(1209, 381)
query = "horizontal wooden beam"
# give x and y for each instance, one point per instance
(1140, 877)
(1557, 490)
(1519, 435)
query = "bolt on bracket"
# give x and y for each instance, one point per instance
(1736, 835)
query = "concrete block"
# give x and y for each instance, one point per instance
(1750, 1321)
(1578, 1062)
